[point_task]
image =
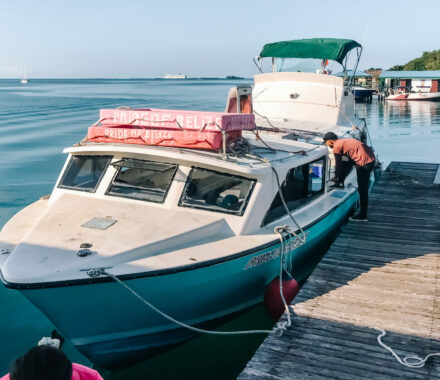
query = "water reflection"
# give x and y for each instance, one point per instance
(404, 114)
(403, 130)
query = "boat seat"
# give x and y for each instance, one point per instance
(239, 100)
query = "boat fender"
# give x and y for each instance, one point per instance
(272, 298)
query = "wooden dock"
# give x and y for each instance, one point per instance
(381, 274)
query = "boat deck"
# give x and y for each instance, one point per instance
(381, 274)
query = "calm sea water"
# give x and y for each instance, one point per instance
(38, 120)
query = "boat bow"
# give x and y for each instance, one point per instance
(105, 233)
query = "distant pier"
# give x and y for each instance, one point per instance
(381, 274)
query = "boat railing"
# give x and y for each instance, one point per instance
(242, 152)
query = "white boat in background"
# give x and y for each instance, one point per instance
(25, 79)
(405, 93)
(175, 76)
(150, 232)
(308, 102)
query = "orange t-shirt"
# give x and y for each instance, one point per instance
(360, 153)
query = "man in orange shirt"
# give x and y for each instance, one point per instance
(363, 158)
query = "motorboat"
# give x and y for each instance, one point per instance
(304, 95)
(165, 220)
(360, 84)
(362, 93)
(406, 93)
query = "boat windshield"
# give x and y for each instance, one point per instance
(84, 172)
(317, 55)
(143, 180)
(301, 185)
(221, 192)
(317, 66)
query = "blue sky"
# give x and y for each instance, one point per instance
(133, 38)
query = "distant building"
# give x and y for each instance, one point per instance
(375, 73)
(414, 81)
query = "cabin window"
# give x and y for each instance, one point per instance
(301, 185)
(84, 172)
(211, 190)
(144, 180)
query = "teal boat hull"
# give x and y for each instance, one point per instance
(112, 327)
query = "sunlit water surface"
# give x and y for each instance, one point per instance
(38, 120)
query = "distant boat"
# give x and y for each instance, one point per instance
(362, 93)
(25, 79)
(233, 77)
(405, 93)
(175, 76)
(360, 84)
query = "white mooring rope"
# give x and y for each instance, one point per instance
(278, 330)
(410, 361)
(179, 323)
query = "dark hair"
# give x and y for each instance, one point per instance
(41, 363)
(330, 136)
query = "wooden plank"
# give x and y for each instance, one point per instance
(384, 273)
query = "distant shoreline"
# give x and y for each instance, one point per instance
(161, 79)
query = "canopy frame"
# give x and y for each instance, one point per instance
(318, 48)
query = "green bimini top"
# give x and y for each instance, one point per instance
(323, 48)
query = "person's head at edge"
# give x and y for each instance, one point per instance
(41, 362)
(329, 139)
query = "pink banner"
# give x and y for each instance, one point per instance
(160, 137)
(177, 119)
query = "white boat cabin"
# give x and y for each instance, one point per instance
(165, 206)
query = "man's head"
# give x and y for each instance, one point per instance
(329, 139)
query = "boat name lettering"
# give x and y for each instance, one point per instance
(274, 253)
(123, 134)
(153, 119)
(151, 135)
